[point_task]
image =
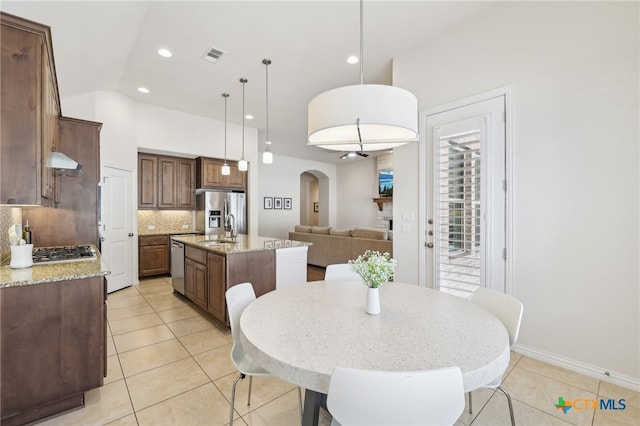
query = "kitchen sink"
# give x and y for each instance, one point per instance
(221, 241)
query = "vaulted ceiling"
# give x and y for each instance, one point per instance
(112, 45)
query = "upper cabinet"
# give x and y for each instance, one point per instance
(147, 181)
(29, 108)
(166, 182)
(209, 175)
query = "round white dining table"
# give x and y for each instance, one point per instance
(301, 333)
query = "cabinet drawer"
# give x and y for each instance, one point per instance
(196, 255)
(156, 240)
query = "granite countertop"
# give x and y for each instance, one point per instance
(244, 243)
(148, 233)
(48, 273)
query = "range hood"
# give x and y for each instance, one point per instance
(60, 161)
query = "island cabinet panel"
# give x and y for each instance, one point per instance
(216, 303)
(208, 275)
(256, 267)
(195, 276)
(53, 345)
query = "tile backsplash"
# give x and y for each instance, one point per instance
(169, 221)
(8, 216)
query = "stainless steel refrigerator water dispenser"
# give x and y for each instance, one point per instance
(214, 219)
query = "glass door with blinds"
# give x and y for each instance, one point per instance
(466, 209)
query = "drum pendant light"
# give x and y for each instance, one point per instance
(363, 117)
(243, 166)
(226, 170)
(267, 155)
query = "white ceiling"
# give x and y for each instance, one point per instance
(111, 45)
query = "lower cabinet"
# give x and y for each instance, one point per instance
(52, 347)
(153, 256)
(208, 275)
(195, 275)
(216, 272)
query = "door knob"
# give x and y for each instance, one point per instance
(131, 234)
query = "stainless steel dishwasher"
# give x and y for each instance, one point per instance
(177, 266)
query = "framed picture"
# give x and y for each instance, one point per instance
(277, 202)
(287, 203)
(268, 202)
(316, 207)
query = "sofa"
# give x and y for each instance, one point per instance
(331, 245)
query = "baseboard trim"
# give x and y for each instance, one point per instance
(632, 383)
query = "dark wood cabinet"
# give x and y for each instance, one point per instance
(208, 275)
(166, 182)
(29, 109)
(77, 196)
(217, 286)
(147, 181)
(209, 175)
(52, 343)
(195, 275)
(167, 189)
(153, 256)
(185, 182)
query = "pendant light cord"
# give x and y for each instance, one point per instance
(243, 81)
(225, 96)
(267, 62)
(361, 42)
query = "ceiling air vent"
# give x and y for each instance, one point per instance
(212, 55)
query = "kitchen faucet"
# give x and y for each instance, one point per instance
(229, 227)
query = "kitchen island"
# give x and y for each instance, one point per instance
(213, 264)
(52, 337)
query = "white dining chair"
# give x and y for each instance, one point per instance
(341, 272)
(509, 311)
(371, 397)
(238, 297)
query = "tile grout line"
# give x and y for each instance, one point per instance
(190, 356)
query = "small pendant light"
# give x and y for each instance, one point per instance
(226, 170)
(243, 166)
(267, 155)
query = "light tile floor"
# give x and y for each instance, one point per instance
(168, 364)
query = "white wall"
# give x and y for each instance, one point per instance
(282, 179)
(309, 188)
(574, 68)
(129, 126)
(358, 184)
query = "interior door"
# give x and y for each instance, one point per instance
(466, 197)
(116, 227)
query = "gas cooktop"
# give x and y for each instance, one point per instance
(63, 254)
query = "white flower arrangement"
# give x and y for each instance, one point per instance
(374, 267)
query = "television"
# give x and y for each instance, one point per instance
(385, 183)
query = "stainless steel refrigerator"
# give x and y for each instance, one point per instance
(213, 208)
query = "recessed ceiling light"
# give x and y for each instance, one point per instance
(166, 53)
(143, 90)
(353, 60)
(249, 117)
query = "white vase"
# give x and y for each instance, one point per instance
(373, 301)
